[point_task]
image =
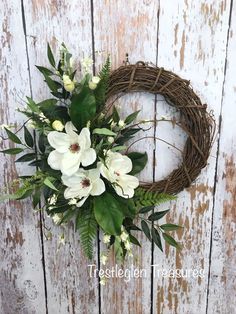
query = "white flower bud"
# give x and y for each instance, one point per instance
(104, 259)
(69, 85)
(124, 236)
(58, 125)
(110, 139)
(96, 79)
(92, 85)
(121, 123)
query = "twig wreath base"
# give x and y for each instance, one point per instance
(195, 121)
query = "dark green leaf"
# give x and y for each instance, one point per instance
(26, 158)
(32, 105)
(44, 70)
(146, 229)
(131, 117)
(13, 137)
(146, 209)
(170, 227)
(115, 115)
(158, 215)
(41, 143)
(28, 138)
(49, 182)
(83, 108)
(156, 238)
(139, 161)
(53, 85)
(134, 240)
(108, 213)
(51, 57)
(170, 240)
(12, 151)
(36, 197)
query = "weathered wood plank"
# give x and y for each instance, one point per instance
(222, 285)
(21, 269)
(69, 288)
(122, 27)
(192, 42)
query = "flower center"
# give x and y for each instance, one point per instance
(85, 183)
(117, 173)
(74, 148)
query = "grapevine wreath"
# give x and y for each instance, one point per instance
(78, 149)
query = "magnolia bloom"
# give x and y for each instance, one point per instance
(69, 85)
(71, 149)
(82, 184)
(58, 125)
(115, 170)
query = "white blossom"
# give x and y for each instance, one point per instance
(52, 200)
(72, 201)
(121, 123)
(106, 238)
(96, 79)
(92, 85)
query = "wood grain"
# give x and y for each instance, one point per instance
(223, 258)
(192, 42)
(21, 269)
(122, 27)
(69, 288)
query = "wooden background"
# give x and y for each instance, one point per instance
(197, 40)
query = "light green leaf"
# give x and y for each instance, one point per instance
(170, 227)
(48, 182)
(131, 117)
(32, 105)
(103, 131)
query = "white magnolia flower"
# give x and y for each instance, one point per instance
(69, 85)
(58, 125)
(115, 170)
(106, 238)
(71, 149)
(82, 184)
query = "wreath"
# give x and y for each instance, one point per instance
(78, 147)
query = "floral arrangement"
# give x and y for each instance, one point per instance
(83, 168)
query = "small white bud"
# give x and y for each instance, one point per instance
(58, 125)
(96, 79)
(128, 245)
(124, 236)
(69, 85)
(92, 85)
(110, 139)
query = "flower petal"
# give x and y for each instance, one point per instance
(60, 141)
(84, 138)
(98, 187)
(70, 193)
(88, 157)
(81, 202)
(128, 180)
(125, 191)
(70, 130)
(70, 163)
(54, 160)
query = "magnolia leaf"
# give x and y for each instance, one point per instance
(50, 56)
(28, 138)
(170, 227)
(139, 161)
(12, 151)
(13, 137)
(49, 183)
(171, 241)
(131, 117)
(108, 213)
(104, 131)
(82, 108)
(158, 215)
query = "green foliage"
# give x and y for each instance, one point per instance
(87, 227)
(139, 161)
(103, 131)
(143, 198)
(131, 117)
(82, 108)
(100, 91)
(50, 56)
(28, 138)
(13, 137)
(158, 215)
(12, 151)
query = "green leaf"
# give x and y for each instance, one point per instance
(12, 151)
(108, 213)
(104, 131)
(87, 227)
(115, 115)
(139, 161)
(32, 105)
(131, 117)
(146, 229)
(28, 138)
(36, 197)
(48, 182)
(100, 91)
(41, 143)
(158, 215)
(50, 56)
(44, 70)
(53, 85)
(171, 241)
(26, 158)
(134, 240)
(156, 238)
(170, 227)
(146, 209)
(118, 148)
(13, 137)
(82, 108)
